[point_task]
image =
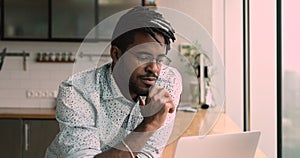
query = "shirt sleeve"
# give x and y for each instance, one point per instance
(78, 136)
(154, 147)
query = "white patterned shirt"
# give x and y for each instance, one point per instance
(94, 116)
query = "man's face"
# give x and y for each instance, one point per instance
(138, 68)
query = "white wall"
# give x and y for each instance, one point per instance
(262, 66)
(234, 60)
(15, 82)
(39, 77)
(201, 10)
(263, 73)
(223, 20)
(218, 26)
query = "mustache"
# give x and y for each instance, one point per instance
(150, 75)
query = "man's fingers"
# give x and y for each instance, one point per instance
(158, 101)
(171, 108)
(156, 93)
(163, 105)
(153, 91)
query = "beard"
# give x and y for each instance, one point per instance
(138, 87)
(138, 90)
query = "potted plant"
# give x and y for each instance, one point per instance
(197, 58)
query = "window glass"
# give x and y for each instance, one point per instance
(291, 79)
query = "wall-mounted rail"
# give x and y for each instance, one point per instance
(91, 56)
(4, 54)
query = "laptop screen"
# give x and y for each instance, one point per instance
(228, 145)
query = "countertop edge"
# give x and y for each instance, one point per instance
(28, 113)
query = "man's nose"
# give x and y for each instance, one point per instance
(153, 67)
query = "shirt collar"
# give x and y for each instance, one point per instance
(109, 86)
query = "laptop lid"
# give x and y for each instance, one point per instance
(228, 145)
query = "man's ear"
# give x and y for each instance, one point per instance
(115, 53)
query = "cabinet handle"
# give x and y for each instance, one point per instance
(26, 133)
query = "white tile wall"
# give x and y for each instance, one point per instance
(15, 82)
(42, 77)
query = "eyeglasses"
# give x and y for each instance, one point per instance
(145, 58)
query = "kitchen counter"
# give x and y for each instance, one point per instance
(186, 124)
(29, 113)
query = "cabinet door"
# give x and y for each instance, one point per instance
(25, 19)
(107, 8)
(10, 138)
(38, 134)
(72, 18)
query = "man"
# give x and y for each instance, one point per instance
(125, 108)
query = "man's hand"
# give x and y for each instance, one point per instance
(157, 105)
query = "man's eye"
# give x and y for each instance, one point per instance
(144, 58)
(160, 60)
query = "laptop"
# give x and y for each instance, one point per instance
(228, 145)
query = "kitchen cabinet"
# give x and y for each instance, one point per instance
(47, 19)
(38, 134)
(107, 8)
(11, 138)
(56, 20)
(26, 138)
(25, 19)
(72, 18)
